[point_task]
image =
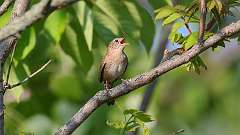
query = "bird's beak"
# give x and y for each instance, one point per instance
(122, 41)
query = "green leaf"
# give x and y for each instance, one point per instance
(191, 40)
(195, 64)
(219, 43)
(174, 36)
(156, 3)
(55, 24)
(139, 115)
(164, 12)
(143, 21)
(74, 44)
(171, 18)
(130, 111)
(146, 131)
(85, 18)
(115, 23)
(169, 2)
(143, 117)
(176, 26)
(132, 127)
(5, 18)
(210, 5)
(207, 35)
(219, 6)
(116, 124)
(26, 44)
(133, 22)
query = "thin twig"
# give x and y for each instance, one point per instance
(187, 25)
(188, 28)
(169, 54)
(202, 7)
(11, 62)
(210, 24)
(30, 76)
(177, 132)
(4, 6)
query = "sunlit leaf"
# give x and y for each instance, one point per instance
(144, 22)
(122, 21)
(74, 44)
(115, 124)
(219, 6)
(171, 18)
(5, 18)
(146, 131)
(191, 40)
(210, 5)
(132, 23)
(85, 18)
(164, 12)
(139, 115)
(130, 111)
(56, 23)
(26, 43)
(176, 26)
(143, 117)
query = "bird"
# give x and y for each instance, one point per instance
(113, 64)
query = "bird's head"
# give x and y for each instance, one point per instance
(117, 43)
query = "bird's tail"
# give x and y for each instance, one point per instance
(107, 87)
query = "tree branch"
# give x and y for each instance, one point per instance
(157, 59)
(38, 11)
(4, 6)
(8, 86)
(132, 84)
(5, 48)
(202, 7)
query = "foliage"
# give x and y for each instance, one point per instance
(76, 37)
(133, 119)
(181, 16)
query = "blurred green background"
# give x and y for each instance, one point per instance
(75, 38)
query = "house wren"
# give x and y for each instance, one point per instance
(114, 64)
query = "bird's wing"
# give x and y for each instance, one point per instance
(101, 71)
(126, 64)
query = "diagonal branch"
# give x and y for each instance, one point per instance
(4, 6)
(202, 7)
(132, 84)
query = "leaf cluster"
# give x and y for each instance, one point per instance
(181, 16)
(136, 119)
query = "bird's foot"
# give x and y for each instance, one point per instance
(107, 92)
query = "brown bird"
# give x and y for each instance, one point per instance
(114, 64)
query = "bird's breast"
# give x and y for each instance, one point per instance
(115, 68)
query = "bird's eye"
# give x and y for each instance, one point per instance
(115, 40)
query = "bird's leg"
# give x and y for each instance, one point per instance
(107, 87)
